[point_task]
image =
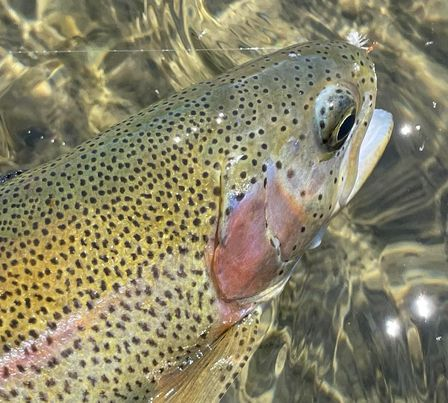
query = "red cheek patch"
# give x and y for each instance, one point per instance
(245, 262)
(285, 216)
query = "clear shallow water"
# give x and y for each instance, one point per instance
(365, 318)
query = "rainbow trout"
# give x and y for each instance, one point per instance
(134, 255)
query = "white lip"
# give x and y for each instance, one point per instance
(372, 148)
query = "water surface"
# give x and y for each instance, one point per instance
(365, 318)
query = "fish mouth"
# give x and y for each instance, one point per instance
(372, 148)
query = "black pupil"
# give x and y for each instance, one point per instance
(346, 127)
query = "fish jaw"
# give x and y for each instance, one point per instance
(371, 150)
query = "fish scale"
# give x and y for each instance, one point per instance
(123, 258)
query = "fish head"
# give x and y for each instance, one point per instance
(318, 144)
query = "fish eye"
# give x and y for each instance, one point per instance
(335, 116)
(346, 127)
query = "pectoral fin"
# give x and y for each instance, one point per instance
(206, 379)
